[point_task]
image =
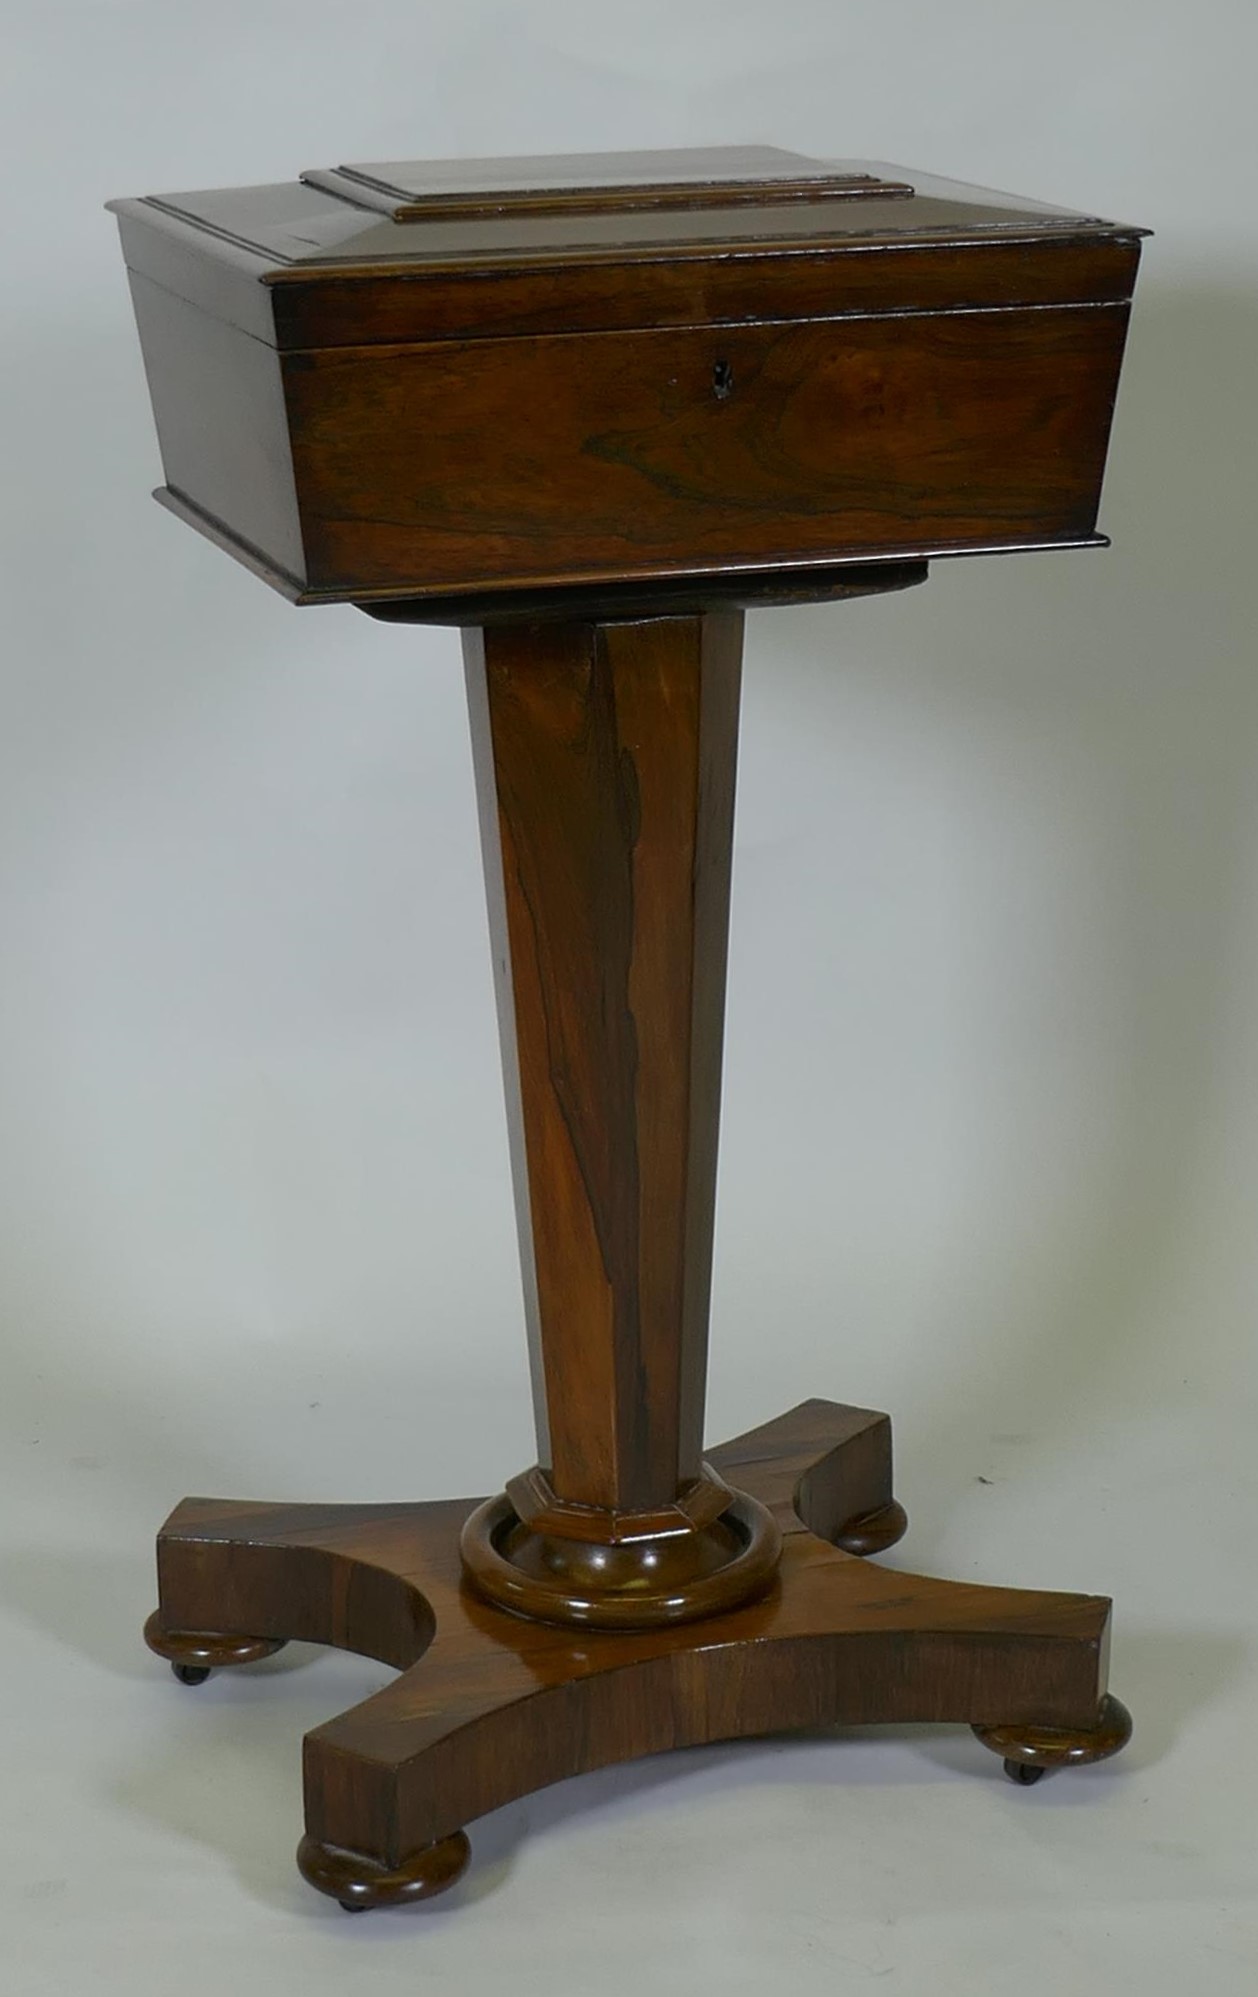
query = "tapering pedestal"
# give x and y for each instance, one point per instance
(626, 1593)
(589, 409)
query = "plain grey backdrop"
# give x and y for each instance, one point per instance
(990, 1150)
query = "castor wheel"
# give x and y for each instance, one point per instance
(1024, 1773)
(191, 1674)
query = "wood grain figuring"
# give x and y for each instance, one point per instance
(588, 408)
(605, 756)
(609, 751)
(690, 590)
(551, 460)
(829, 365)
(489, 1706)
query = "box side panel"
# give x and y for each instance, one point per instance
(543, 461)
(225, 279)
(218, 402)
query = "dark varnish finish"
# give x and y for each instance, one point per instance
(624, 369)
(489, 1705)
(625, 458)
(590, 410)
(596, 183)
(605, 763)
(605, 757)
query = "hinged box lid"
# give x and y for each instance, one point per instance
(633, 238)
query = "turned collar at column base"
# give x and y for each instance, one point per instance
(528, 1552)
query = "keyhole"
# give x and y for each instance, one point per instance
(722, 380)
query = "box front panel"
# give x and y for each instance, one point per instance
(582, 457)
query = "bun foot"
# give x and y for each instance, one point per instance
(1029, 1752)
(193, 1654)
(874, 1532)
(360, 1882)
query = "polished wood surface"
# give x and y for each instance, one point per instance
(294, 307)
(604, 757)
(445, 392)
(428, 215)
(665, 450)
(1031, 1751)
(193, 1654)
(490, 1706)
(360, 1882)
(596, 183)
(229, 441)
(589, 409)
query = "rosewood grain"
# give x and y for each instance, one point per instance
(605, 757)
(589, 409)
(527, 388)
(838, 438)
(605, 760)
(489, 1706)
